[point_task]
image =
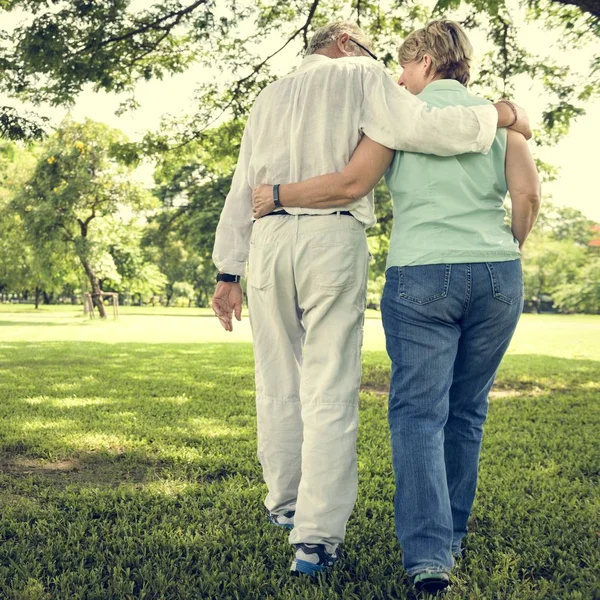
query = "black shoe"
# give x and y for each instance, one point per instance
(431, 583)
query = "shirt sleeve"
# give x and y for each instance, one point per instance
(232, 239)
(395, 118)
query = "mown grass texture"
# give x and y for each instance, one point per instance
(128, 470)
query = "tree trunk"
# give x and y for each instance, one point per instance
(38, 293)
(96, 291)
(83, 251)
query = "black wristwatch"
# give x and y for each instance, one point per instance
(227, 278)
(276, 201)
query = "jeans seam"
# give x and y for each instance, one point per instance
(467, 302)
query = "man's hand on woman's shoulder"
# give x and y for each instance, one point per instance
(507, 111)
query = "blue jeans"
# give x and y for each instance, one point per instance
(447, 328)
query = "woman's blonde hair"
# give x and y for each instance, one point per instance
(448, 46)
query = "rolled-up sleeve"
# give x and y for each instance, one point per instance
(232, 239)
(395, 118)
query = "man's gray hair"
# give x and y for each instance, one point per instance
(328, 34)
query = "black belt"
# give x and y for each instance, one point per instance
(346, 213)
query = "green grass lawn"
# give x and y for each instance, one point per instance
(128, 468)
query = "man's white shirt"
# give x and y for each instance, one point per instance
(309, 123)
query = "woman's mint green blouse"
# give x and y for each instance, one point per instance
(450, 209)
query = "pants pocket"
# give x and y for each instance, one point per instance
(507, 280)
(261, 265)
(424, 283)
(333, 265)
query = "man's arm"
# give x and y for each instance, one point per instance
(366, 167)
(232, 239)
(395, 118)
(523, 184)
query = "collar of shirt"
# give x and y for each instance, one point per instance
(312, 60)
(315, 60)
(445, 84)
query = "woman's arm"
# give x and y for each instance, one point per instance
(366, 167)
(523, 185)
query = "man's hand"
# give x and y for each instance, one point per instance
(506, 117)
(262, 201)
(226, 302)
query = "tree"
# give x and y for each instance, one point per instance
(174, 257)
(128, 267)
(565, 223)
(48, 59)
(549, 264)
(15, 126)
(192, 182)
(559, 263)
(75, 184)
(63, 46)
(26, 269)
(583, 295)
(185, 291)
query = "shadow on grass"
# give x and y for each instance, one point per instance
(135, 407)
(163, 313)
(519, 375)
(106, 469)
(130, 471)
(141, 409)
(33, 323)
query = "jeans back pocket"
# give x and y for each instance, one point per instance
(507, 280)
(423, 284)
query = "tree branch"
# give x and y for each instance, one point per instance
(68, 234)
(255, 70)
(303, 30)
(177, 16)
(311, 14)
(152, 48)
(589, 6)
(91, 217)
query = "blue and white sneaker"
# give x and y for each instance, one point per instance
(312, 559)
(286, 520)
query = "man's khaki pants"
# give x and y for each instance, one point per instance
(306, 296)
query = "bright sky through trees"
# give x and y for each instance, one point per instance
(575, 155)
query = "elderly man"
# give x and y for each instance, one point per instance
(309, 267)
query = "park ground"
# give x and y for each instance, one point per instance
(128, 467)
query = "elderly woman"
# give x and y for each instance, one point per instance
(452, 298)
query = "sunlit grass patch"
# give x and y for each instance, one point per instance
(129, 470)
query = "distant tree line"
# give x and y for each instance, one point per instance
(73, 220)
